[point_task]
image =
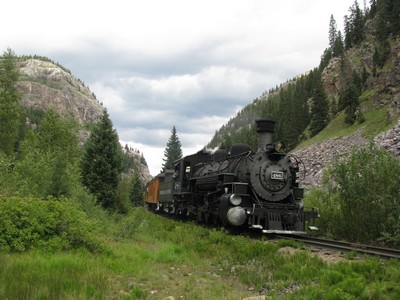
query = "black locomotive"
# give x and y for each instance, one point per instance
(236, 188)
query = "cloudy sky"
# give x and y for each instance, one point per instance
(156, 64)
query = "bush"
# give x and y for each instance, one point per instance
(30, 223)
(359, 197)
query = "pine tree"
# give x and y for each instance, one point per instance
(338, 48)
(348, 100)
(354, 26)
(319, 109)
(10, 109)
(101, 163)
(332, 33)
(172, 152)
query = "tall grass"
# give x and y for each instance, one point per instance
(151, 257)
(47, 276)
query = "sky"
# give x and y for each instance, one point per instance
(155, 64)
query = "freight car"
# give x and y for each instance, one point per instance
(236, 188)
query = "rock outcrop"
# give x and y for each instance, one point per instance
(390, 139)
(320, 155)
(44, 85)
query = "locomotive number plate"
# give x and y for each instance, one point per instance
(277, 175)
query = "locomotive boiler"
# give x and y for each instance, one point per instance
(236, 188)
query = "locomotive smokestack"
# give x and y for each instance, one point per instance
(265, 129)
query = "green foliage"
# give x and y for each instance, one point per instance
(58, 135)
(258, 264)
(122, 204)
(381, 54)
(29, 223)
(319, 109)
(172, 152)
(359, 280)
(136, 194)
(332, 32)
(47, 160)
(153, 257)
(57, 139)
(101, 163)
(387, 14)
(37, 275)
(354, 26)
(348, 101)
(10, 109)
(359, 200)
(336, 47)
(29, 118)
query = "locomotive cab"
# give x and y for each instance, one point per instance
(184, 169)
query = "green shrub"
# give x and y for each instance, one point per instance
(359, 198)
(30, 223)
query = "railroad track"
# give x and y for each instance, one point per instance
(385, 253)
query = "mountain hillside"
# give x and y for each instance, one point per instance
(349, 100)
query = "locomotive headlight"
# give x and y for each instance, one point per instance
(235, 199)
(280, 147)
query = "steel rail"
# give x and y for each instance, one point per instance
(386, 253)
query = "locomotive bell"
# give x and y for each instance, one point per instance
(265, 129)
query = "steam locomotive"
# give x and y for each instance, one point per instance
(239, 188)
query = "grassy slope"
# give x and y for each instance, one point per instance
(151, 257)
(375, 122)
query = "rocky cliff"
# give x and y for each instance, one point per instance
(44, 85)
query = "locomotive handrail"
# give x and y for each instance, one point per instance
(299, 161)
